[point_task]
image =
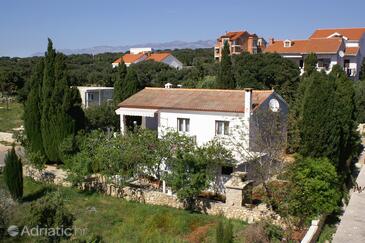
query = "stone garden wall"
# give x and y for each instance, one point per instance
(155, 197)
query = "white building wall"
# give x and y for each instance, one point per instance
(202, 124)
(173, 62)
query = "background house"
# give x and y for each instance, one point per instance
(239, 41)
(95, 96)
(345, 47)
(205, 114)
(141, 54)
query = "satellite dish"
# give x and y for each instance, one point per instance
(341, 53)
(274, 105)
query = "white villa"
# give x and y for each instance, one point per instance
(95, 96)
(202, 113)
(332, 46)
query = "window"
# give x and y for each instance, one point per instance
(183, 125)
(227, 170)
(221, 127)
(90, 96)
(324, 63)
(287, 43)
(216, 50)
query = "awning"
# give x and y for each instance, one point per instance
(135, 112)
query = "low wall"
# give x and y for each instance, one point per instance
(154, 197)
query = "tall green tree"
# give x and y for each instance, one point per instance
(121, 72)
(318, 121)
(13, 174)
(130, 85)
(362, 70)
(345, 111)
(359, 87)
(60, 105)
(310, 64)
(33, 110)
(225, 79)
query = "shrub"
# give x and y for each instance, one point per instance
(13, 174)
(314, 189)
(50, 212)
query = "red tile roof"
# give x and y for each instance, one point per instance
(129, 58)
(158, 57)
(350, 33)
(216, 100)
(352, 51)
(307, 46)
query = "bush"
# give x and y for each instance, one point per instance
(50, 212)
(102, 117)
(315, 189)
(13, 174)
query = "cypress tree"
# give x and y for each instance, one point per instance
(13, 174)
(61, 105)
(317, 123)
(120, 75)
(225, 78)
(344, 109)
(310, 64)
(33, 110)
(130, 85)
(362, 70)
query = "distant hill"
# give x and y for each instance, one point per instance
(157, 46)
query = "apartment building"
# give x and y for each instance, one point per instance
(239, 41)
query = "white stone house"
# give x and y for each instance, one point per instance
(204, 114)
(345, 47)
(95, 96)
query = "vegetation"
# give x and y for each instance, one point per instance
(121, 72)
(12, 117)
(50, 212)
(315, 189)
(224, 233)
(13, 174)
(225, 78)
(53, 109)
(116, 220)
(102, 117)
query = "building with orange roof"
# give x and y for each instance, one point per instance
(205, 115)
(239, 41)
(344, 46)
(137, 55)
(129, 59)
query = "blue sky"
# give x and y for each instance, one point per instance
(26, 24)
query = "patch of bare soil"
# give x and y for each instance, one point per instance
(199, 233)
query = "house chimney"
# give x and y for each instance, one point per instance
(272, 41)
(248, 102)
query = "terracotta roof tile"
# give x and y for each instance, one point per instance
(350, 33)
(352, 51)
(307, 46)
(158, 57)
(193, 99)
(130, 58)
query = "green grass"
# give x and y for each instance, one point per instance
(117, 220)
(11, 118)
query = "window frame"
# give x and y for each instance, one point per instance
(225, 128)
(185, 124)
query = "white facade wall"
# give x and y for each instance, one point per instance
(202, 124)
(98, 95)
